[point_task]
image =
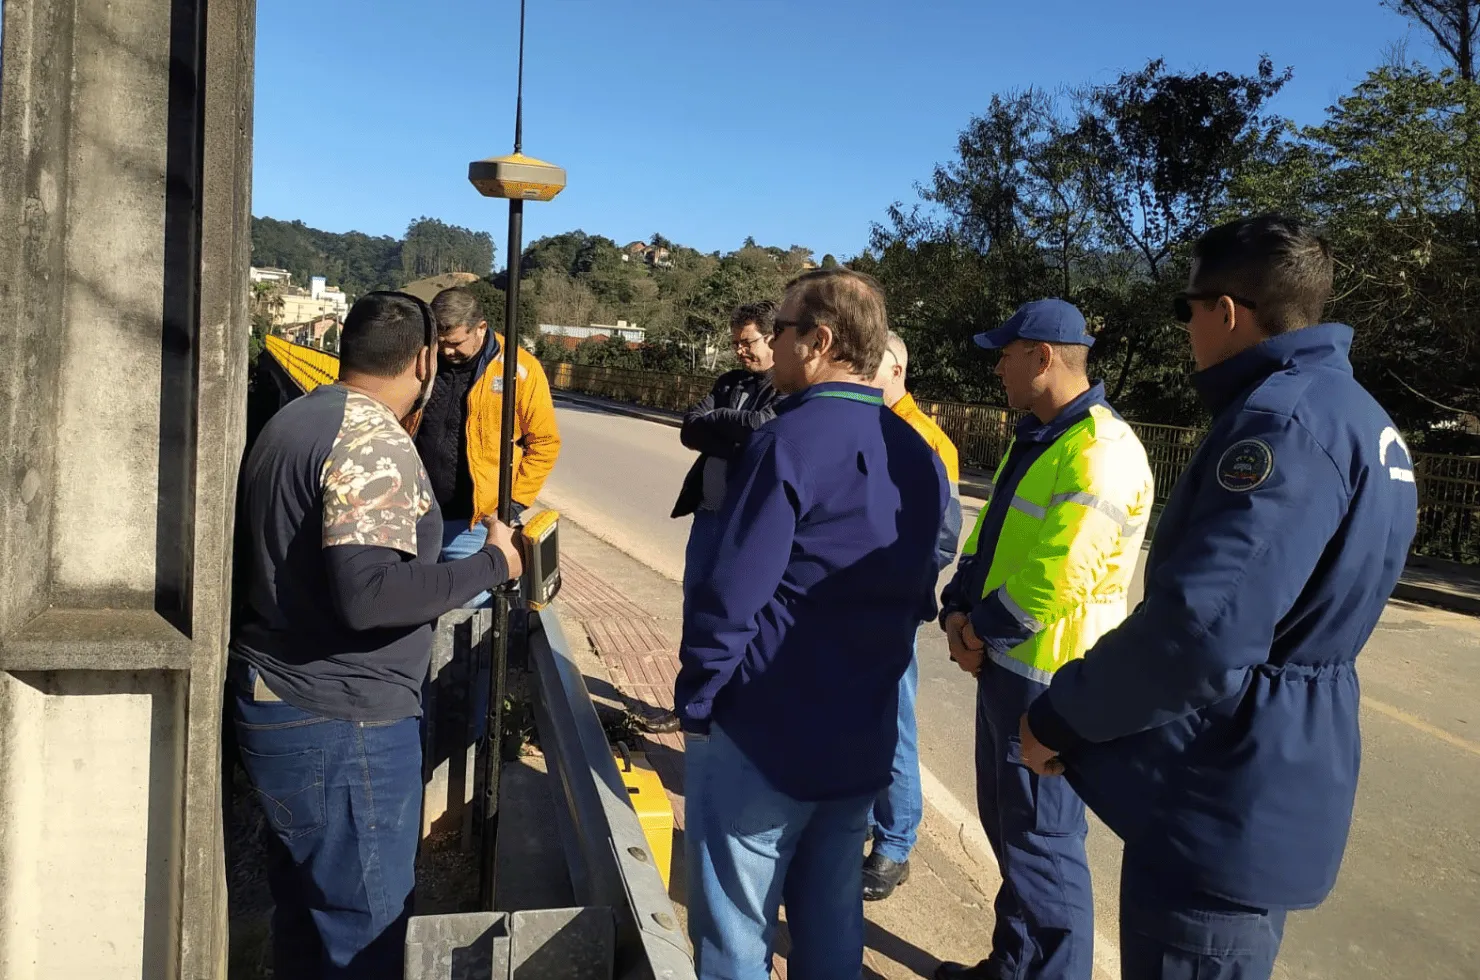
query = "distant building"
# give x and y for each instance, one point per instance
(571, 343)
(643, 252)
(300, 306)
(311, 334)
(282, 276)
(629, 332)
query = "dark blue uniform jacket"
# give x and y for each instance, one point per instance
(795, 640)
(1216, 729)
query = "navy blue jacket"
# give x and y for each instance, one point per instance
(795, 640)
(1216, 729)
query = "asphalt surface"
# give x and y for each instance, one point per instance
(1408, 900)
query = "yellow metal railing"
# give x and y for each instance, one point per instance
(307, 366)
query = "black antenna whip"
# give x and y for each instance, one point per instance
(519, 98)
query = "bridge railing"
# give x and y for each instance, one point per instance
(1448, 486)
(307, 366)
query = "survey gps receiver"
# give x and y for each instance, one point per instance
(541, 550)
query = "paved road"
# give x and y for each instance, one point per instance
(1408, 901)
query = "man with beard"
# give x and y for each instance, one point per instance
(458, 431)
(338, 590)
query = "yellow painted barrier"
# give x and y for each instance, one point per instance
(307, 366)
(654, 813)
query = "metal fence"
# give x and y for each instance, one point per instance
(1448, 486)
(672, 392)
(309, 367)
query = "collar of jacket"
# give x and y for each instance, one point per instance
(1328, 344)
(1030, 429)
(491, 348)
(844, 390)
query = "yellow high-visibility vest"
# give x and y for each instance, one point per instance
(1063, 562)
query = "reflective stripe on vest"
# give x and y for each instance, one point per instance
(1128, 486)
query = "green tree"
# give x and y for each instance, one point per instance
(356, 262)
(433, 247)
(257, 343)
(1393, 175)
(1095, 198)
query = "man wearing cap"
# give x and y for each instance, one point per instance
(1043, 575)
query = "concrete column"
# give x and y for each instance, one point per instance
(125, 177)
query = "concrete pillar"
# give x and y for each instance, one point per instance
(125, 178)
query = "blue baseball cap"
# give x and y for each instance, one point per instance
(1050, 320)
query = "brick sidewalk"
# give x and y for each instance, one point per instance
(642, 659)
(643, 662)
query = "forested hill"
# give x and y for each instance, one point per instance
(359, 263)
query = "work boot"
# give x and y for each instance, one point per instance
(881, 876)
(960, 971)
(658, 723)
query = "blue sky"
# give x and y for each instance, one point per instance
(796, 121)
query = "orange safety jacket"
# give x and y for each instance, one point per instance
(907, 409)
(536, 436)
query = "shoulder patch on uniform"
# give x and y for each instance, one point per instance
(1388, 439)
(1245, 465)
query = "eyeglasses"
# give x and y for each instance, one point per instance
(746, 346)
(1182, 303)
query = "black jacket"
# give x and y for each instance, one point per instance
(721, 424)
(442, 437)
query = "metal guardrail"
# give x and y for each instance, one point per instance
(1448, 486)
(607, 854)
(307, 366)
(623, 925)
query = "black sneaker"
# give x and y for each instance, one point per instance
(881, 876)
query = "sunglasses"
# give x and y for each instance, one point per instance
(1182, 303)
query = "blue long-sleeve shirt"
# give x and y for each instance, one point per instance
(795, 640)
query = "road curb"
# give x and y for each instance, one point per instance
(1425, 595)
(621, 408)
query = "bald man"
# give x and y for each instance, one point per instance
(895, 820)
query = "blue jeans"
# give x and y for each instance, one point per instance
(1045, 925)
(460, 541)
(699, 552)
(1194, 937)
(898, 809)
(750, 847)
(343, 802)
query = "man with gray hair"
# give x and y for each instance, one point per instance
(795, 637)
(897, 811)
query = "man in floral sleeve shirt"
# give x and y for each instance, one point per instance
(338, 538)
